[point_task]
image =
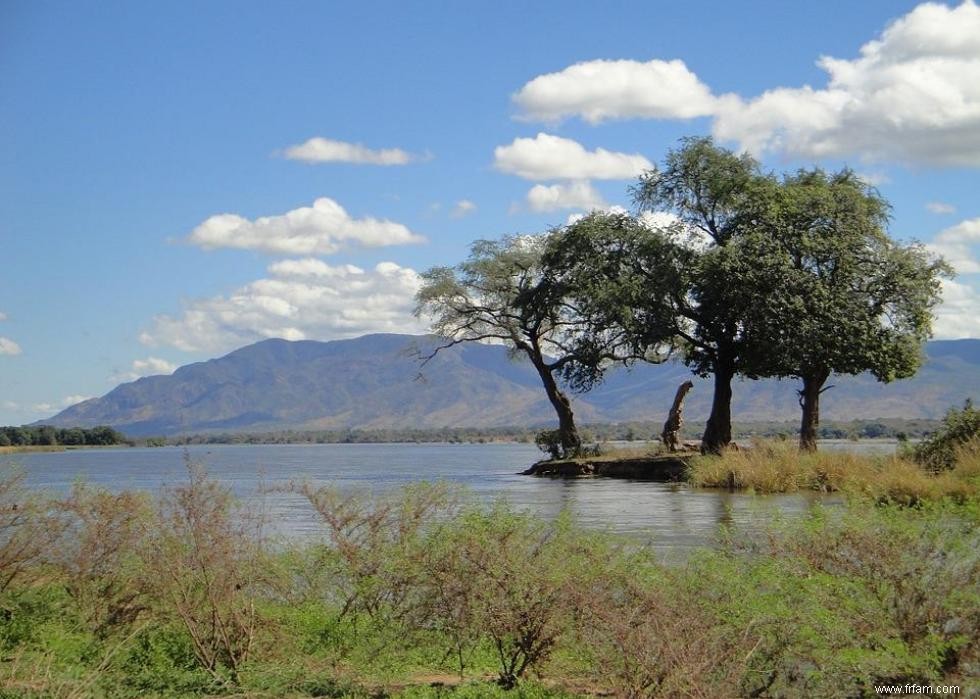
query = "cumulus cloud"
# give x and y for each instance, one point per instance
(548, 157)
(576, 217)
(151, 366)
(571, 195)
(874, 178)
(321, 229)
(3, 316)
(300, 299)
(957, 316)
(464, 207)
(8, 346)
(42, 408)
(911, 96)
(326, 150)
(960, 245)
(941, 208)
(606, 89)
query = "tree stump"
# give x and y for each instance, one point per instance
(672, 427)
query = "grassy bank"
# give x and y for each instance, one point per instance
(428, 594)
(779, 467)
(30, 448)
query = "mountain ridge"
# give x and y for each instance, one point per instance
(377, 381)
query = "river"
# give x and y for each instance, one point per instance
(672, 518)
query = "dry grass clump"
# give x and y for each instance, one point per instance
(646, 635)
(779, 467)
(27, 528)
(203, 566)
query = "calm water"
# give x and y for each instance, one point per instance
(672, 518)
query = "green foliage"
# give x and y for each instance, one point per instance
(549, 441)
(46, 435)
(842, 297)
(959, 427)
(501, 293)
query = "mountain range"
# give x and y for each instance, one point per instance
(378, 381)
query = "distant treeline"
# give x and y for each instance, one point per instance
(46, 435)
(642, 430)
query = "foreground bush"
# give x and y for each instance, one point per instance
(959, 429)
(184, 597)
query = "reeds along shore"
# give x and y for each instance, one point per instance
(780, 467)
(427, 593)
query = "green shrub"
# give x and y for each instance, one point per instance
(938, 451)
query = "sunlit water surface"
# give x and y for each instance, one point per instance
(672, 518)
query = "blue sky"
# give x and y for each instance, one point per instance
(161, 161)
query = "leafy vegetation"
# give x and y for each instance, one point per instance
(959, 428)
(46, 435)
(426, 593)
(841, 297)
(501, 293)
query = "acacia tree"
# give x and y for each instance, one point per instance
(499, 294)
(841, 296)
(717, 197)
(620, 275)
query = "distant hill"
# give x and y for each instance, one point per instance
(375, 381)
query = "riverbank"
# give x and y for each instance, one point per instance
(32, 448)
(779, 467)
(43, 448)
(666, 468)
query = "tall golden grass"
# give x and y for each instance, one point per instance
(779, 467)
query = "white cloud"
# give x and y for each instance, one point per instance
(321, 229)
(301, 299)
(151, 366)
(547, 157)
(960, 245)
(576, 217)
(326, 150)
(8, 346)
(464, 207)
(941, 208)
(874, 178)
(73, 400)
(911, 96)
(957, 316)
(42, 408)
(570, 195)
(311, 267)
(607, 89)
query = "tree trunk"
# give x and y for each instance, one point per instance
(567, 433)
(718, 430)
(810, 402)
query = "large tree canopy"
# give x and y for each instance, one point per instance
(716, 197)
(499, 294)
(840, 295)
